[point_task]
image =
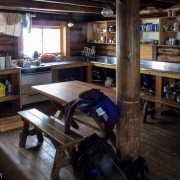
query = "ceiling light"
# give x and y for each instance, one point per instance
(107, 12)
(70, 24)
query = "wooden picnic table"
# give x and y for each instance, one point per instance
(62, 93)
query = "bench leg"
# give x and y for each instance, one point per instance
(152, 106)
(145, 111)
(60, 161)
(39, 136)
(23, 134)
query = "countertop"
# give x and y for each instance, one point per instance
(171, 70)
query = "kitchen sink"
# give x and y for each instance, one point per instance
(105, 60)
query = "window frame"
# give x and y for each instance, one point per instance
(64, 30)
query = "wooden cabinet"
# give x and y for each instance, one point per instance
(98, 28)
(13, 75)
(149, 31)
(168, 35)
(165, 34)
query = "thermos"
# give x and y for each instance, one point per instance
(8, 61)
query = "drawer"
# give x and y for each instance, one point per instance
(32, 98)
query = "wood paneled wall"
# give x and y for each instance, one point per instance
(78, 40)
(168, 54)
(8, 45)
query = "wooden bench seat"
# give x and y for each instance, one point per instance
(148, 100)
(62, 142)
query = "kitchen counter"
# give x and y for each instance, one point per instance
(163, 69)
(9, 70)
(68, 64)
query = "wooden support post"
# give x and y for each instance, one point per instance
(89, 74)
(128, 78)
(159, 84)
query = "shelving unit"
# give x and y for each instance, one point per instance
(97, 28)
(13, 75)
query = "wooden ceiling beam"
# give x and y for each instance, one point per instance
(43, 6)
(151, 3)
(170, 1)
(77, 3)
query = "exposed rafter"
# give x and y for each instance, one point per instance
(91, 7)
(44, 6)
(170, 1)
(152, 3)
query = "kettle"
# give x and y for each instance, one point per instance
(26, 63)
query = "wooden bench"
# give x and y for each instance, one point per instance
(54, 130)
(149, 105)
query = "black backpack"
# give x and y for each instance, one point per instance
(95, 159)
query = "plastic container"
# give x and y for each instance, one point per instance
(2, 61)
(2, 90)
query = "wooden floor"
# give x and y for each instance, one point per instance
(160, 146)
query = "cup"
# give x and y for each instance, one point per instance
(2, 61)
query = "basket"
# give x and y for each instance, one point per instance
(2, 90)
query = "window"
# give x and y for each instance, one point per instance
(43, 40)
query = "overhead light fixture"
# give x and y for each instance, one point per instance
(107, 12)
(70, 24)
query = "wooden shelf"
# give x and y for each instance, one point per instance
(149, 31)
(9, 98)
(169, 45)
(170, 31)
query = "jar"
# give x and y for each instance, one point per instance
(169, 12)
(173, 13)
